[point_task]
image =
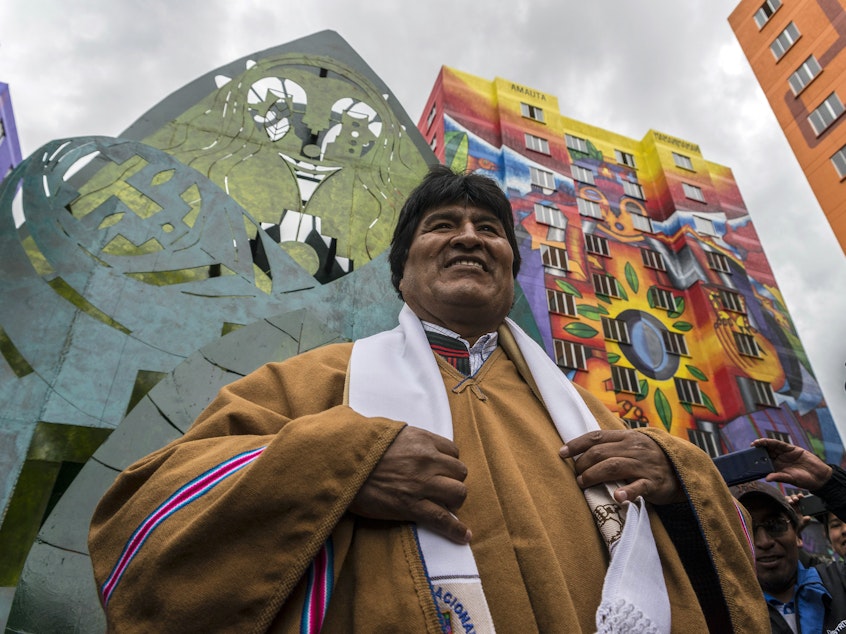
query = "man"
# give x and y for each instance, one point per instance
(799, 599)
(301, 500)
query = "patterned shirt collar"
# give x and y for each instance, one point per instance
(479, 351)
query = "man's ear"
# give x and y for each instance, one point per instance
(799, 541)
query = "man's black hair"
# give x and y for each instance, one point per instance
(440, 187)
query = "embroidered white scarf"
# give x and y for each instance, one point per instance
(395, 375)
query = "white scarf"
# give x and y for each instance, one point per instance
(395, 375)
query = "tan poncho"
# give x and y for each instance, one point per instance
(236, 557)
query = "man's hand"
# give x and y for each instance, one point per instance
(794, 465)
(617, 455)
(419, 479)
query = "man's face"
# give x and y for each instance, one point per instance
(776, 553)
(837, 534)
(458, 271)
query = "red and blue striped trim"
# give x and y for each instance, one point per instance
(195, 489)
(750, 538)
(321, 578)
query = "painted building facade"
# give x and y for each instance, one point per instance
(641, 267)
(797, 50)
(10, 147)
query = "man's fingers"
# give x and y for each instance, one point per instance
(446, 492)
(438, 520)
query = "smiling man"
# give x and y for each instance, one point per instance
(443, 476)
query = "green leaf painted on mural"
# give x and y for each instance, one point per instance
(687, 408)
(613, 357)
(665, 412)
(644, 390)
(631, 277)
(649, 297)
(708, 403)
(682, 325)
(622, 291)
(568, 288)
(591, 312)
(603, 298)
(578, 329)
(672, 314)
(455, 150)
(699, 374)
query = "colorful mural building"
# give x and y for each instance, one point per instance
(641, 267)
(10, 148)
(797, 50)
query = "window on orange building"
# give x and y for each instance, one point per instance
(746, 344)
(577, 144)
(633, 189)
(550, 215)
(763, 14)
(542, 178)
(662, 298)
(705, 440)
(826, 113)
(554, 257)
(641, 223)
(674, 342)
(784, 41)
(652, 259)
(718, 262)
(615, 330)
(809, 69)
(839, 162)
(682, 161)
(605, 285)
(589, 208)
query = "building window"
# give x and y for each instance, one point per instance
(718, 262)
(2, 130)
(766, 11)
(633, 189)
(652, 259)
(605, 285)
(693, 192)
(569, 354)
(784, 41)
(705, 440)
(688, 391)
(615, 330)
(803, 76)
(624, 158)
(431, 116)
(531, 112)
(826, 113)
(732, 301)
(550, 216)
(577, 144)
(662, 298)
(783, 436)
(746, 344)
(561, 303)
(683, 161)
(634, 424)
(554, 257)
(641, 223)
(582, 174)
(839, 161)
(763, 393)
(674, 343)
(624, 379)
(596, 244)
(536, 143)
(704, 226)
(542, 178)
(589, 208)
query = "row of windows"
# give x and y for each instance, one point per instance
(598, 245)
(574, 143)
(831, 107)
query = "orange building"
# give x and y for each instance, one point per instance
(797, 50)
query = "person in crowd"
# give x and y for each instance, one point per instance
(799, 598)
(443, 476)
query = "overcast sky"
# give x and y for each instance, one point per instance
(80, 67)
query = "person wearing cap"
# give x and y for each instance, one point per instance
(799, 599)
